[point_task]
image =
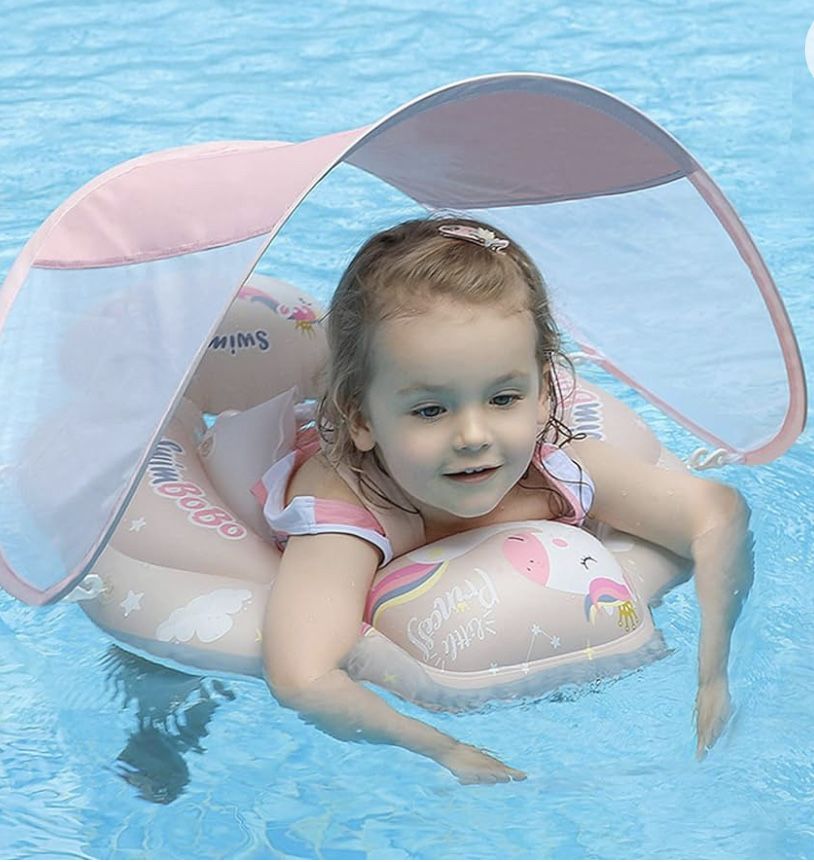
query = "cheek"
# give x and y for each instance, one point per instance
(519, 445)
(407, 449)
(416, 450)
(521, 433)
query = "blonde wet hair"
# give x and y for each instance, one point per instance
(399, 272)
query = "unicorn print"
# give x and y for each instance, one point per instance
(573, 562)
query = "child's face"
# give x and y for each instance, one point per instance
(474, 418)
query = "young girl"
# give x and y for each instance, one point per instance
(442, 350)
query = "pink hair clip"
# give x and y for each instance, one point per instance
(479, 235)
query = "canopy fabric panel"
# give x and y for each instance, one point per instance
(103, 352)
(185, 200)
(107, 310)
(513, 140)
(668, 275)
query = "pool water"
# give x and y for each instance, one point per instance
(104, 755)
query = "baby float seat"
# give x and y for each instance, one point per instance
(516, 608)
(112, 303)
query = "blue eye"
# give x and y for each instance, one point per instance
(422, 414)
(514, 398)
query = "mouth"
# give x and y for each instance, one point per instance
(479, 475)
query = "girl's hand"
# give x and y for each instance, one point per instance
(472, 765)
(712, 712)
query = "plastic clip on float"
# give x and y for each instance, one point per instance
(114, 488)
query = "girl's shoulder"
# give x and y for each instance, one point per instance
(312, 500)
(340, 490)
(316, 477)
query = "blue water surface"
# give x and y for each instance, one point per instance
(103, 755)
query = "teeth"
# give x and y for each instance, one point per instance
(475, 470)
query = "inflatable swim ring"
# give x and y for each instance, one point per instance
(509, 609)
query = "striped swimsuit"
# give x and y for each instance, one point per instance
(393, 532)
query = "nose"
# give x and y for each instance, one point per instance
(472, 431)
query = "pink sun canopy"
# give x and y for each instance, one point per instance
(111, 304)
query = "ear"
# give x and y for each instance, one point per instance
(362, 434)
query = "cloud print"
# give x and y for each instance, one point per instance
(206, 617)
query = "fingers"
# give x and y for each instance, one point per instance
(482, 779)
(710, 726)
(472, 765)
(502, 777)
(705, 739)
(512, 774)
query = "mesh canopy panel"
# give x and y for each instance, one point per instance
(652, 282)
(103, 352)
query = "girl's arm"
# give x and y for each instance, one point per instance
(701, 520)
(312, 620)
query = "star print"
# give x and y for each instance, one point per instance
(493, 668)
(525, 667)
(390, 678)
(135, 526)
(536, 630)
(132, 602)
(461, 606)
(555, 641)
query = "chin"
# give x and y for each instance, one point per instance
(476, 512)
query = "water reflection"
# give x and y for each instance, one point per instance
(173, 711)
